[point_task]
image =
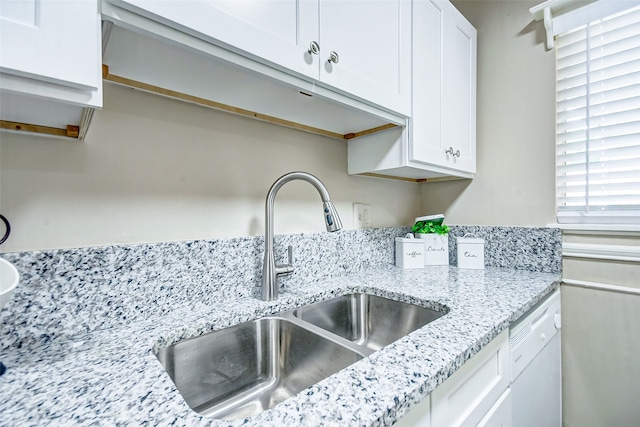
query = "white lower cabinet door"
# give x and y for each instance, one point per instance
(500, 414)
(469, 394)
(418, 416)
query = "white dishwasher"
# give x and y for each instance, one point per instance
(536, 377)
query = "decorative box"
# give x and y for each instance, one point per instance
(409, 252)
(470, 252)
(436, 248)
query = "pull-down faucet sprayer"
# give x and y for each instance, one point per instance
(271, 271)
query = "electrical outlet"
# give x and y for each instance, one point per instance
(361, 216)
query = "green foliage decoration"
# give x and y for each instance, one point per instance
(428, 227)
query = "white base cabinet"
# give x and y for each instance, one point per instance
(418, 416)
(440, 137)
(477, 394)
(500, 414)
(470, 393)
(513, 381)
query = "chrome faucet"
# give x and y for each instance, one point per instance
(271, 271)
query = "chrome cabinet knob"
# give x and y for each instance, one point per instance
(453, 153)
(333, 57)
(314, 48)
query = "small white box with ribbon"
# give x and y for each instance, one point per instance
(470, 252)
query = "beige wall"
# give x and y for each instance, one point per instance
(601, 370)
(514, 184)
(153, 169)
(600, 337)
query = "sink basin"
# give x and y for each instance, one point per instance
(245, 369)
(367, 320)
(240, 371)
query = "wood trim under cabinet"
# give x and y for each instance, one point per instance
(370, 131)
(71, 131)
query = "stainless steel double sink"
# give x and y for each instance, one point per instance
(245, 369)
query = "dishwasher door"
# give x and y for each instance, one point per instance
(536, 395)
(536, 387)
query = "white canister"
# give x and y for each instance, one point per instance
(409, 252)
(470, 252)
(436, 248)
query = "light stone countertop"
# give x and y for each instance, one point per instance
(111, 376)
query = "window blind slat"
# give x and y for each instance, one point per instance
(613, 53)
(601, 154)
(624, 74)
(626, 164)
(606, 178)
(604, 201)
(566, 118)
(606, 91)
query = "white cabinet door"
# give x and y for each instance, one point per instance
(51, 41)
(425, 140)
(500, 414)
(50, 66)
(279, 32)
(459, 85)
(418, 416)
(372, 41)
(470, 394)
(443, 122)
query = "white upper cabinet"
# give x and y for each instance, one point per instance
(371, 44)
(440, 139)
(443, 125)
(360, 48)
(280, 32)
(53, 41)
(50, 62)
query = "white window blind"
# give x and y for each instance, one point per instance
(598, 121)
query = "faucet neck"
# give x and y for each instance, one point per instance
(271, 197)
(271, 271)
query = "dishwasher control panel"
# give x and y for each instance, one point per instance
(531, 334)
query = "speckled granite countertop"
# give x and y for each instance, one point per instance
(110, 375)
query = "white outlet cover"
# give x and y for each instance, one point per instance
(361, 216)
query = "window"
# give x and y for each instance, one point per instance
(598, 121)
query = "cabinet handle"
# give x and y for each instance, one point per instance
(333, 57)
(453, 153)
(314, 48)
